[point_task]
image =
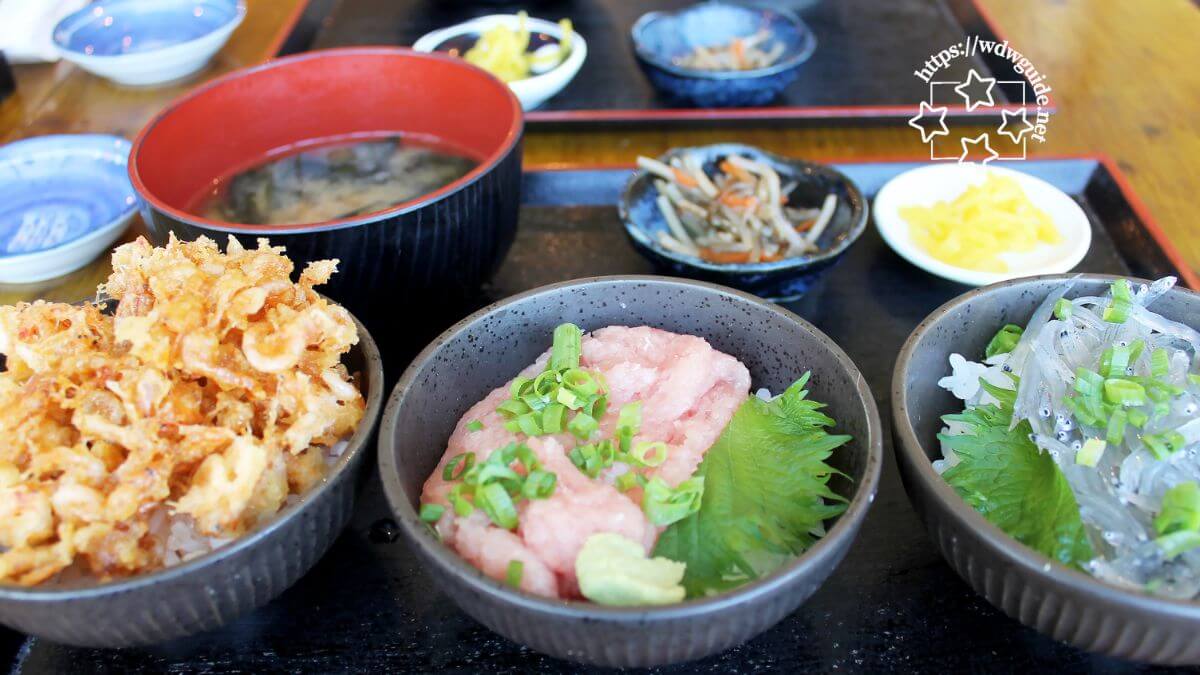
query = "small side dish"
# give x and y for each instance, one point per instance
(211, 398)
(742, 213)
(630, 466)
(977, 224)
(504, 51)
(1079, 437)
(741, 53)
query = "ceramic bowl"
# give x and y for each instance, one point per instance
(531, 91)
(928, 185)
(660, 38)
(63, 201)
(147, 42)
(216, 588)
(1062, 602)
(487, 348)
(440, 246)
(781, 280)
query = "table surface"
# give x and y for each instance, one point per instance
(1123, 76)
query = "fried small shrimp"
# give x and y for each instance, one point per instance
(189, 415)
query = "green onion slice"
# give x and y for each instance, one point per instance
(497, 504)
(539, 484)
(458, 499)
(516, 570)
(1180, 509)
(582, 426)
(568, 347)
(650, 453)
(1004, 341)
(1089, 454)
(1124, 392)
(664, 505)
(474, 425)
(1062, 309)
(1160, 363)
(431, 513)
(458, 465)
(552, 418)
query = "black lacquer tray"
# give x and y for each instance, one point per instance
(862, 68)
(892, 606)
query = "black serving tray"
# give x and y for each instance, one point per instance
(892, 605)
(862, 68)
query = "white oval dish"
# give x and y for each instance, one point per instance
(944, 182)
(531, 91)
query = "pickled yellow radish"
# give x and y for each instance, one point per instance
(986, 220)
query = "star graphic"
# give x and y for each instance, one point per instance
(929, 112)
(968, 143)
(974, 81)
(1025, 127)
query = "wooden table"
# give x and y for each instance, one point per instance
(1124, 76)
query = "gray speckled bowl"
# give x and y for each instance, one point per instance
(215, 588)
(487, 348)
(1059, 601)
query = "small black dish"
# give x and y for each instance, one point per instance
(781, 280)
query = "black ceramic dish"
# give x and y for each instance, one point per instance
(220, 586)
(487, 348)
(781, 280)
(438, 247)
(1062, 602)
(659, 38)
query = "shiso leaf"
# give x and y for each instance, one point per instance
(1013, 484)
(766, 494)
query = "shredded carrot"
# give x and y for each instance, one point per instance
(683, 178)
(736, 171)
(724, 257)
(749, 202)
(739, 52)
(805, 226)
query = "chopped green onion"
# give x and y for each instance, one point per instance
(1004, 340)
(494, 472)
(431, 513)
(462, 507)
(1114, 361)
(1121, 290)
(629, 420)
(552, 418)
(546, 383)
(1115, 431)
(1180, 509)
(627, 481)
(1062, 309)
(582, 426)
(1089, 384)
(580, 381)
(497, 504)
(1117, 311)
(1136, 349)
(567, 398)
(474, 425)
(592, 459)
(516, 570)
(1090, 453)
(529, 424)
(1164, 444)
(650, 453)
(568, 347)
(1160, 363)
(462, 462)
(539, 484)
(597, 407)
(518, 386)
(1124, 392)
(523, 454)
(1137, 418)
(1178, 543)
(1194, 378)
(665, 505)
(512, 408)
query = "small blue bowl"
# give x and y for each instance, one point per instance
(63, 201)
(659, 38)
(146, 42)
(781, 280)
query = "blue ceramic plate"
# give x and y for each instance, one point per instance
(660, 38)
(780, 280)
(63, 200)
(143, 42)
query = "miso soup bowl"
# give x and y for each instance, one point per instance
(442, 245)
(487, 348)
(213, 589)
(1062, 602)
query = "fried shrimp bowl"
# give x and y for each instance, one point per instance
(213, 396)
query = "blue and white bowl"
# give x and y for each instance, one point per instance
(660, 38)
(147, 42)
(63, 201)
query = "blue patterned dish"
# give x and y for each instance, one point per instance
(63, 201)
(780, 280)
(659, 38)
(145, 42)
